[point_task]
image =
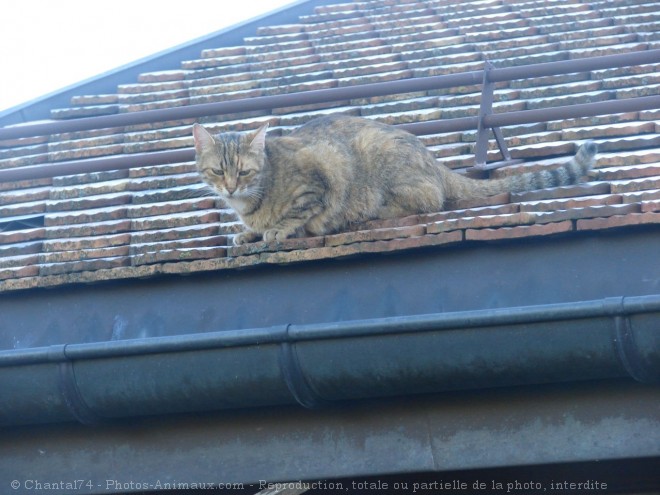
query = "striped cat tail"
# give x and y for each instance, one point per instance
(460, 187)
(567, 174)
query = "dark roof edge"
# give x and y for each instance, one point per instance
(170, 59)
(314, 365)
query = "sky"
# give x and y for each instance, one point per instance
(47, 45)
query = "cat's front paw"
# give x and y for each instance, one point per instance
(276, 235)
(245, 238)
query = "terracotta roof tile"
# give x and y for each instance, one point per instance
(88, 189)
(18, 151)
(24, 161)
(650, 206)
(22, 142)
(599, 211)
(12, 197)
(634, 185)
(631, 142)
(88, 178)
(269, 247)
(84, 135)
(375, 235)
(570, 203)
(86, 243)
(160, 76)
(85, 216)
(83, 265)
(646, 90)
(152, 220)
(647, 11)
(21, 209)
(88, 229)
(518, 231)
(87, 152)
(171, 207)
(268, 30)
(649, 217)
(485, 221)
(153, 247)
(632, 81)
(356, 249)
(585, 189)
(86, 111)
(161, 144)
(20, 248)
(629, 158)
(183, 254)
(464, 204)
(23, 260)
(629, 172)
(600, 120)
(151, 96)
(25, 271)
(139, 107)
(167, 255)
(153, 87)
(88, 202)
(171, 194)
(608, 130)
(172, 234)
(78, 254)
(174, 220)
(636, 197)
(20, 236)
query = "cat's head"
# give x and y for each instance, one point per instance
(231, 163)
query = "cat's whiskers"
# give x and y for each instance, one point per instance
(202, 192)
(255, 193)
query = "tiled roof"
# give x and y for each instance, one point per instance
(153, 220)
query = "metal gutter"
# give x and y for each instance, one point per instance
(317, 364)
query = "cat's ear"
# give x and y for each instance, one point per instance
(259, 139)
(203, 139)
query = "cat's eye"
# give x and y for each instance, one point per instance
(244, 173)
(217, 171)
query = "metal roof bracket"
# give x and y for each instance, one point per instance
(486, 108)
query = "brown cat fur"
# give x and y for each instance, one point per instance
(338, 170)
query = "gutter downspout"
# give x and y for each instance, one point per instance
(313, 365)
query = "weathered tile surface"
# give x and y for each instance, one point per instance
(154, 220)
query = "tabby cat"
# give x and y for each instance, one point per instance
(338, 170)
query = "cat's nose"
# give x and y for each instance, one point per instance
(231, 188)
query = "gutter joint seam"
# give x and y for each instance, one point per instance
(68, 387)
(294, 377)
(627, 350)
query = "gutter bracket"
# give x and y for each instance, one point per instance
(485, 109)
(627, 349)
(295, 378)
(66, 381)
